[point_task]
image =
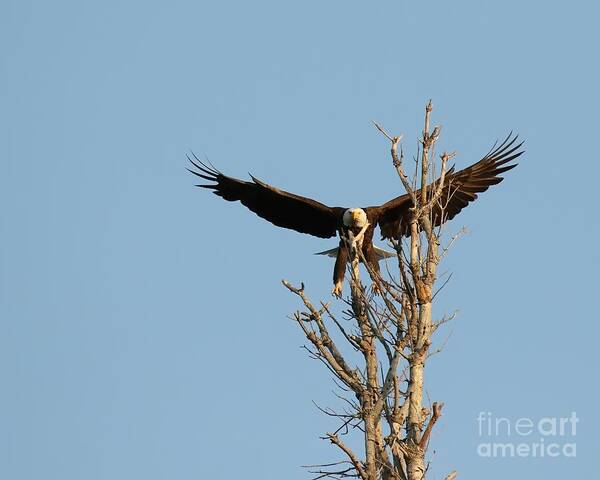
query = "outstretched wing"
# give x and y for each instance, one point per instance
(460, 188)
(278, 207)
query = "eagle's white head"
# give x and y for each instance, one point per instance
(355, 217)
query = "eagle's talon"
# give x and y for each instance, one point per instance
(337, 290)
(376, 289)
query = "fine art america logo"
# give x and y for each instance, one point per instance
(501, 437)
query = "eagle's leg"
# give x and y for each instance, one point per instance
(373, 260)
(339, 270)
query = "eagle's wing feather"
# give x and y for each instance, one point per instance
(281, 208)
(460, 188)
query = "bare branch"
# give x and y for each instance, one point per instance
(437, 413)
(353, 459)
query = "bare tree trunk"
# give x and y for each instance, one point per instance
(424, 279)
(393, 334)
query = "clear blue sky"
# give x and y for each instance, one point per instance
(143, 329)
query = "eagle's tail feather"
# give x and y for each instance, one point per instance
(330, 253)
(381, 253)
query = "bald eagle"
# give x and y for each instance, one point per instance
(306, 215)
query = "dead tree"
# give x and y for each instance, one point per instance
(390, 325)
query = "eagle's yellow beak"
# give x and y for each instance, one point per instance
(356, 216)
